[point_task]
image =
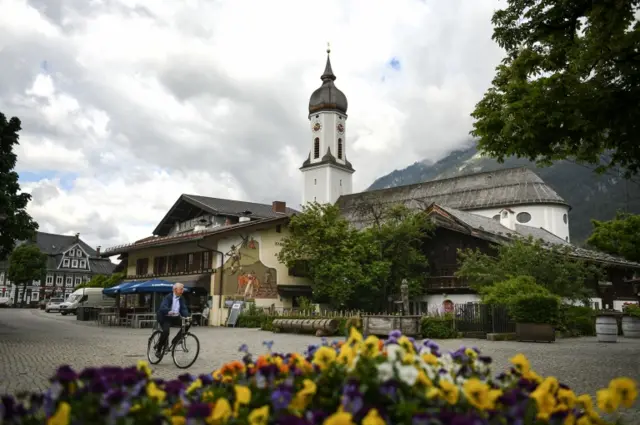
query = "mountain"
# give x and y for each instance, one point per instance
(591, 195)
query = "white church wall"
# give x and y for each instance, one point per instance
(339, 183)
(553, 218)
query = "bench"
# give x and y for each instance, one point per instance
(326, 326)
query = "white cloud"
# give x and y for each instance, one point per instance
(144, 100)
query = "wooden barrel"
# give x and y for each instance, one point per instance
(607, 329)
(307, 325)
(327, 325)
(630, 327)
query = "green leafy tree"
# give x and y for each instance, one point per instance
(508, 291)
(103, 281)
(26, 264)
(551, 267)
(568, 86)
(351, 268)
(15, 223)
(620, 236)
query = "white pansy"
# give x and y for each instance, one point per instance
(385, 371)
(446, 377)
(408, 374)
(395, 352)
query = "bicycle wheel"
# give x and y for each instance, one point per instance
(186, 351)
(151, 348)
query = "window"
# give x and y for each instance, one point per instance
(1, 278)
(315, 181)
(83, 264)
(78, 280)
(279, 228)
(340, 182)
(565, 218)
(160, 265)
(74, 264)
(206, 260)
(314, 199)
(65, 262)
(59, 280)
(36, 282)
(496, 217)
(35, 296)
(72, 253)
(339, 148)
(523, 217)
(68, 282)
(190, 257)
(78, 253)
(316, 148)
(49, 280)
(142, 266)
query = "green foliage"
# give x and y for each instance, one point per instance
(505, 292)
(102, 281)
(357, 269)
(551, 267)
(27, 263)
(620, 236)
(437, 328)
(577, 320)
(632, 310)
(567, 87)
(15, 223)
(535, 308)
(305, 303)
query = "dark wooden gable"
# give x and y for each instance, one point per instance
(184, 209)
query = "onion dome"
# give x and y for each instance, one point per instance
(328, 97)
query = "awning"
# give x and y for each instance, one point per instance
(150, 286)
(114, 290)
(295, 291)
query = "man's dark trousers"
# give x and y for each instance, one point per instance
(167, 322)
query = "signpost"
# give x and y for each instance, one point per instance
(234, 313)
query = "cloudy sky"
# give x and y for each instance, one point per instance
(126, 104)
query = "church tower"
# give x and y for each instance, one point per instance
(327, 173)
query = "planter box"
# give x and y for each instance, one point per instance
(631, 327)
(537, 332)
(382, 325)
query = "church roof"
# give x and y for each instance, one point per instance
(328, 97)
(492, 189)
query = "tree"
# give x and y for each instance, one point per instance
(620, 236)
(102, 281)
(568, 86)
(26, 264)
(551, 267)
(351, 268)
(15, 223)
(507, 291)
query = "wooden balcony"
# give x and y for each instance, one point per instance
(443, 283)
(165, 274)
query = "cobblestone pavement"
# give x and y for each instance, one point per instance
(34, 343)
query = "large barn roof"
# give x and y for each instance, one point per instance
(491, 189)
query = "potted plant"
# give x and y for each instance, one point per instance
(607, 325)
(536, 316)
(631, 321)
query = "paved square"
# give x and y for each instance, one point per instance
(34, 343)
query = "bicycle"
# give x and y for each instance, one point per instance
(188, 343)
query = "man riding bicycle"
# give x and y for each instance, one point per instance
(172, 308)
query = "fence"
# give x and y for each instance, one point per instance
(477, 320)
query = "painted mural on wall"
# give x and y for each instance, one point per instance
(244, 273)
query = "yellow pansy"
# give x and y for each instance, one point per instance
(194, 386)
(324, 356)
(521, 363)
(566, 397)
(430, 359)
(221, 412)
(346, 355)
(450, 392)
(62, 415)
(304, 396)
(625, 389)
(339, 418)
(434, 392)
(373, 418)
(355, 337)
(408, 358)
(471, 353)
(545, 402)
(135, 408)
(532, 376)
(259, 416)
(371, 347)
(144, 367)
(584, 420)
(406, 344)
(570, 419)
(155, 393)
(243, 397)
(178, 420)
(608, 401)
(586, 402)
(479, 394)
(549, 385)
(423, 379)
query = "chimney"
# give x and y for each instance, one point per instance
(279, 207)
(508, 219)
(77, 237)
(98, 251)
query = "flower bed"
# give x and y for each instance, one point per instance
(368, 382)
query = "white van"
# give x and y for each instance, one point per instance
(85, 297)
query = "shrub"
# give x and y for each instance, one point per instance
(535, 308)
(577, 320)
(506, 292)
(358, 382)
(632, 310)
(437, 328)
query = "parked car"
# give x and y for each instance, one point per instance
(5, 302)
(85, 297)
(53, 305)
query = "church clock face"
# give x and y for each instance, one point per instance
(316, 126)
(340, 128)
